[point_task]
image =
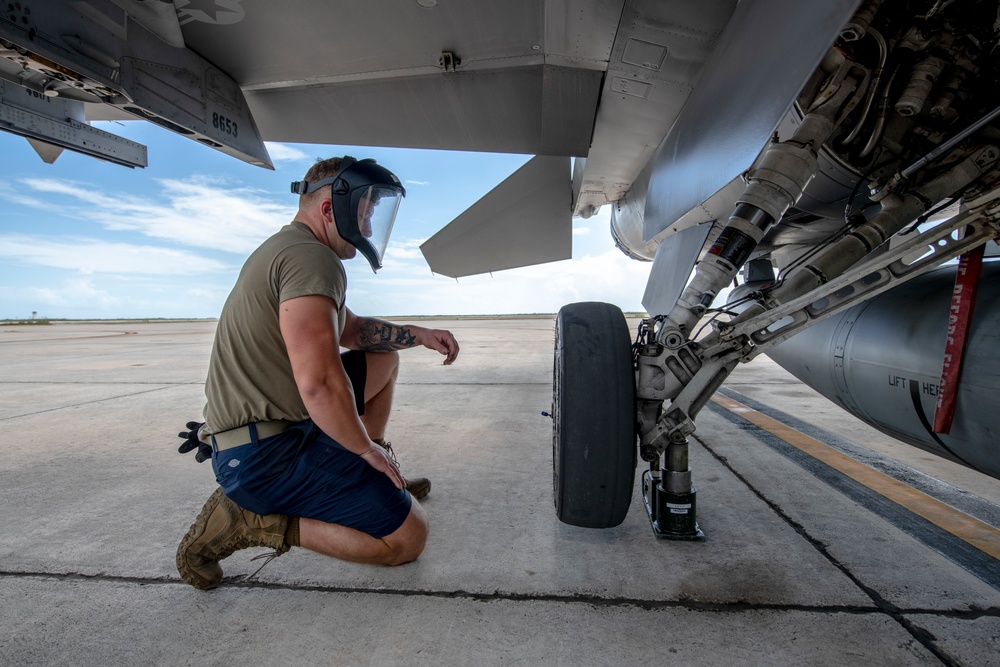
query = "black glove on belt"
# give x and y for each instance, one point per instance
(191, 441)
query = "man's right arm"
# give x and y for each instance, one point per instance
(309, 329)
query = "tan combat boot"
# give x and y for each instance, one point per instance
(418, 487)
(221, 528)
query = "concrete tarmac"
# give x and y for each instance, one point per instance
(802, 564)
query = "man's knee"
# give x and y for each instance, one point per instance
(407, 542)
(382, 370)
(383, 363)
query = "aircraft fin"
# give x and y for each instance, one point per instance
(525, 220)
(48, 152)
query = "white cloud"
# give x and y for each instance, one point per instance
(70, 293)
(598, 272)
(115, 295)
(412, 182)
(90, 256)
(198, 212)
(403, 250)
(284, 152)
(15, 196)
(406, 287)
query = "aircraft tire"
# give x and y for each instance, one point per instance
(594, 416)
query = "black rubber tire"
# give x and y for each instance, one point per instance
(594, 416)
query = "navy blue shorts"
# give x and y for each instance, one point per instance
(305, 473)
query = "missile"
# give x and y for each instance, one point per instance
(881, 361)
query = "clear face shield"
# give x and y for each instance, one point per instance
(376, 212)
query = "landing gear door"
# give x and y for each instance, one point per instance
(675, 259)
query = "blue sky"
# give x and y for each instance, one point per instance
(87, 239)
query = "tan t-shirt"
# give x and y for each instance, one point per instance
(249, 375)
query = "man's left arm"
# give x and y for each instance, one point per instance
(373, 335)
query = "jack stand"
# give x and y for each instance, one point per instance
(672, 515)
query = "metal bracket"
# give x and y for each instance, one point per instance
(865, 281)
(676, 421)
(60, 124)
(448, 61)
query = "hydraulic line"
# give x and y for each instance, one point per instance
(775, 185)
(873, 88)
(897, 212)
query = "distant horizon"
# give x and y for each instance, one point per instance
(16, 321)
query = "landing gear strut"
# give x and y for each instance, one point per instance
(667, 491)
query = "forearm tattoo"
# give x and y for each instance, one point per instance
(379, 336)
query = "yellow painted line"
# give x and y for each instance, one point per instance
(981, 535)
